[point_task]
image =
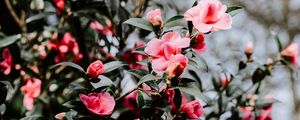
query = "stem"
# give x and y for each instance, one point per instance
(295, 98)
(19, 20)
(121, 97)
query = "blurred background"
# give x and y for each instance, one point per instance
(260, 21)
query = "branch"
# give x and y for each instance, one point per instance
(20, 21)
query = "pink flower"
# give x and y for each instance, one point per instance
(225, 79)
(59, 4)
(291, 53)
(98, 103)
(166, 53)
(246, 113)
(209, 15)
(193, 109)
(174, 66)
(198, 43)
(130, 101)
(169, 97)
(5, 65)
(170, 43)
(31, 90)
(249, 48)
(266, 111)
(104, 30)
(95, 69)
(133, 58)
(154, 17)
(68, 45)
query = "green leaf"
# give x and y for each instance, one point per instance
(76, 86)
(233, 8)
(140, 99)
(9, 40)
(113, 65)
(70, 115)
(200, 60)
(147, 78)
(3, 92)
(35, 117)
(104, 82)
(39, 16)
(140, 23)
(177, 98)
(174, 23)
(258, 75)
(279, 45)
(2, 109)
(73, 104)
(70, 64)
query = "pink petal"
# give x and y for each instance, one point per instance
(192, 13)
(202, 27)
(153, 47)
(28, 102)
(224, 23)
(182, 43)
(170, 37)
(159, 64)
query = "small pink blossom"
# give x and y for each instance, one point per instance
(249, 48)
(5, 65)
(100, 28)
(31, 90)
(174, 66)
(154, 17)
(133, 58)
(193, 109)
(291, 53)
(209, 15)
(99, 103)
(246, 113)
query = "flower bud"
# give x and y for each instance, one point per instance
(154, 17)
(249, 49)
(291, 53)
(95, 69)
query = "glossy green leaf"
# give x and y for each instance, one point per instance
(233, 8)
(177, 98)
(140, 23)
(104, 82)
(113, 66)
(147, 78)
(70, 64)
(70, 115)
(140, 99)
(8, 40)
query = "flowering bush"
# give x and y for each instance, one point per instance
(72, 59)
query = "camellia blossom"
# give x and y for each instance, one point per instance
(198, 43)
(60, 4)
(192, 110)
(67, 45)
(291, 53)
(95, 69)
(5, 65)
(100, 28)
(209, 15)
(165, 53)
(154, 17)
(133, 58)
(99, 103)
(31, 90)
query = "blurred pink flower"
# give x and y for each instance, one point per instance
(175, 65)
(5, 65)
(133, 58)
(95, 69)
(209, 15)
(193, 109)
(154, 17)
(291, 53)
(249, 48)
(246, 113)
(31, 90)
(130, 100)
(68, 45)
(99, 103)
(60, 116)
(266, 111)
(100, 28)
(60, 4)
